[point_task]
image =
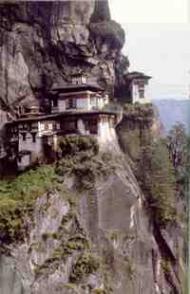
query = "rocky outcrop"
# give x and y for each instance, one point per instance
(93, 241)
(106, 225)
(42, 43)
(97, 241)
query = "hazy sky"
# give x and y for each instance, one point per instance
(158, 42)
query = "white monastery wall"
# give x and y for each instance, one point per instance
(28, 144)
(83, 103)
(93, 103)
(45, 127)
(61, 105)
(136, 97)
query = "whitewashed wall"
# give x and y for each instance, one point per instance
(61, 105)
(83, 103)
(135, 94)
(28, 144)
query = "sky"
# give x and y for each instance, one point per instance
(158, 42)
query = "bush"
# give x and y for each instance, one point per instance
(17, 197)
(84, 266)
(72, 144)
(157, 179)
(85, 168)
(139, 112)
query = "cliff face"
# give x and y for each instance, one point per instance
(89, 234)
(90, 241)
(99, 242)
(42, 43)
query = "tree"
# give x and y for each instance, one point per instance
(179, 150)
(158, 182)
(177, 143)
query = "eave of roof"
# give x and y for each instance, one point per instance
(137, 75)
(71, 88)
(62, 114)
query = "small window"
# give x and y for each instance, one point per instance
(55, 102)
(42, 127)
(141, 89)
(46, 126)
(141, 93)
(71, 103)
(33, 137)
(24, 136)
(50, 126)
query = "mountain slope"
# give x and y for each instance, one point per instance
(173, 111)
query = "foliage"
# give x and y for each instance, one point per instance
(134, 131)
(156, 174)
(98, 291)
(17, 197)
(177, 143)
(81, 160)
(72, 144)
(85, 265)
(139, 111)
(179, 150)
(130, 267)
(76, 243)
(165, 264)
(85, 168)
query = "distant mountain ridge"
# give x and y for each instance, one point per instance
(172, 111)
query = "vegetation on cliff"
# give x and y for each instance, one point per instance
(134, 129)
(178, 145)
(153, 160)
(79, 159)
(156, 176)
(17, 197)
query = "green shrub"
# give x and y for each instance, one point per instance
(98, 291)
(77, 243)
(157, 179)
(72, 144)
(17, 198)
(83, 162)
(84, 266)
(139, 112)
(134, 131)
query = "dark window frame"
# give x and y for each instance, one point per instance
(33, 137)
(23, 136)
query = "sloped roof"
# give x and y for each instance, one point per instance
(137, 75)
(68, 88)
(61, 114)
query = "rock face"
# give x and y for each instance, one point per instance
(42, 43)
(104, 243)
(108, 222)
(97, 241)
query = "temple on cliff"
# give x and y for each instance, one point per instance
(77, 107)
(137, 87)
(74, 108)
